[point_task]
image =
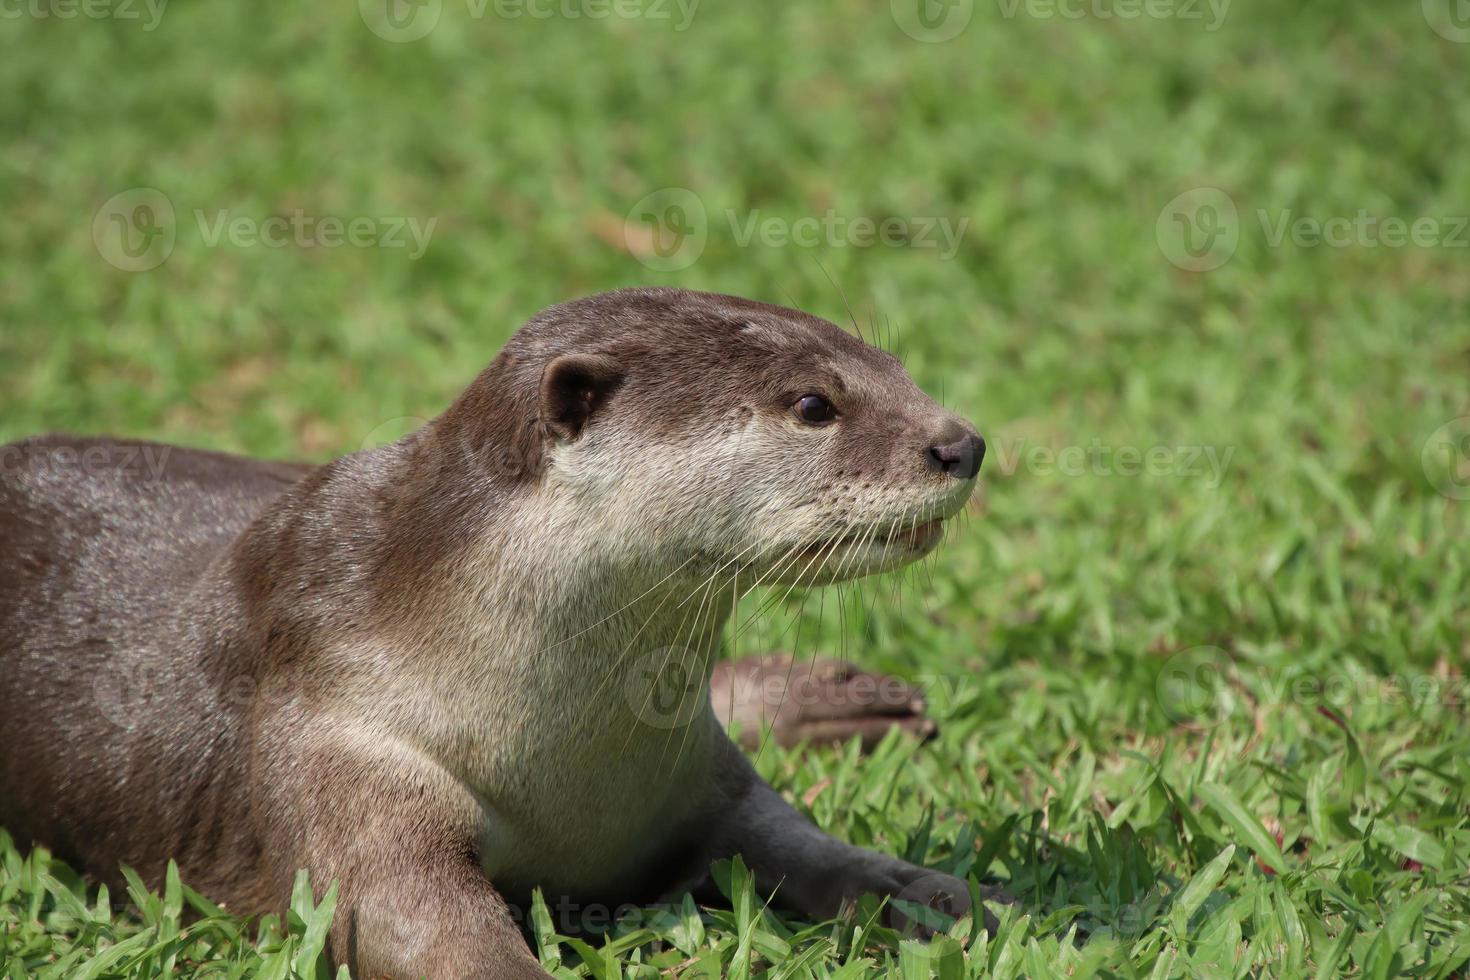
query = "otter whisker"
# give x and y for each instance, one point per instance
(791, 665)
(771, 601)
(841, 624)
(899, 349)
(761, 607)
(613, 668)
(843, 296)
(712, 650)
(696, 636)
(628, 605)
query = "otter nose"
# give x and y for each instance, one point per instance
(957, 452)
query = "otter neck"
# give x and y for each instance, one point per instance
(583, 617)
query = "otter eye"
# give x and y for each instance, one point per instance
(814, 410)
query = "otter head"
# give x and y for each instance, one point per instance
(720, 435)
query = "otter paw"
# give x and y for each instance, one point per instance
(822, 701)
(923, 903)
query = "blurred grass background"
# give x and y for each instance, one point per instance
(1326, 552)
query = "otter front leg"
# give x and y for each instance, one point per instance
(398, 833)
(817, 875)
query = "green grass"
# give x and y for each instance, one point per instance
(1153, 687)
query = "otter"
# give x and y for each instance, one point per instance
(438, 673)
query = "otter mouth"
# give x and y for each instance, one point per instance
(862, 551)
(910, 537)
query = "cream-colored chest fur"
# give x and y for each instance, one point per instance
(575, 711)
(584, 772)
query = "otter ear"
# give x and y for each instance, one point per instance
(573, 387)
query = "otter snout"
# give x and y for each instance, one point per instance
(956, 451)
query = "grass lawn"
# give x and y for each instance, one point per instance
(1199, 651)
